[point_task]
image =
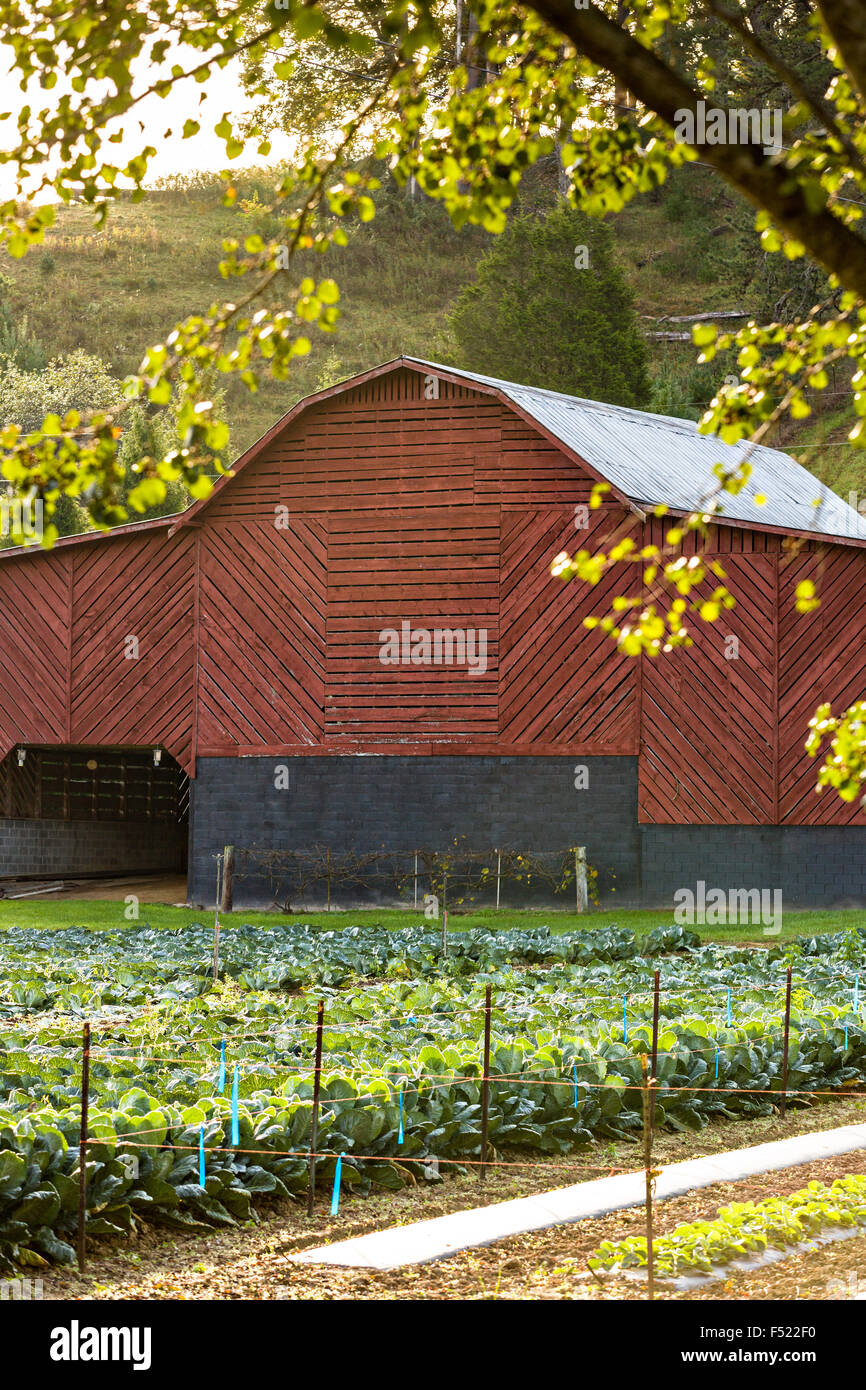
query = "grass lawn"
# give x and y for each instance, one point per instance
(103, 914)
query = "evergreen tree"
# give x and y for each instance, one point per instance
(550, 308)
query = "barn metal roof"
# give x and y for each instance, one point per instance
(654, 459)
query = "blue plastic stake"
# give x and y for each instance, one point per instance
(400, 1131)
(236, 1138)
(846, 1037)
(201, 1155)
(729, 1008)
(717, 1064)
(624, 1019)
(335, 1199)
(856, 994)
(575, 1085)
(221, 1084)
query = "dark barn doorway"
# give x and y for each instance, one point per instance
(92, 813)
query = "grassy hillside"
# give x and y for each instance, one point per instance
(115, 291)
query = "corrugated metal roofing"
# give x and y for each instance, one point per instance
(659, 458)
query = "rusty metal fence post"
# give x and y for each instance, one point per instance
(648, 1085)
(783, 1106)
(655, 1051)
(314, 1121)
(82, 1143)
(485, 1084)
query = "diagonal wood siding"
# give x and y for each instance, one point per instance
(822, 656)
(261, 657)
(35, 621)
(137, 588)
(708, 740)
(561, 683)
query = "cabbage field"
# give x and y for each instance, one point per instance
(402, 1057)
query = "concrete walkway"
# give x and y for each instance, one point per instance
(463, 1230)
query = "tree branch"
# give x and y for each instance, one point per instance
(767, 186)
(844, 21)
(821, 109)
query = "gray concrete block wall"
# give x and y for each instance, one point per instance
(813, 865)
(405, 803)
(57, 847)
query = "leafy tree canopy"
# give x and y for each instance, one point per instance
(78, 382)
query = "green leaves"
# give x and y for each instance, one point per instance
(844, 766)
(13, 1171)
(740, 1229)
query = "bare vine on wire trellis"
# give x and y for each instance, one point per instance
(456, 877)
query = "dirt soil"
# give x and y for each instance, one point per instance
(255, 1261)
(148, 888)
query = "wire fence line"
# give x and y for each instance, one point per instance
(453, 877)
(223, 1139)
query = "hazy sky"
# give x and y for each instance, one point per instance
(222, 93)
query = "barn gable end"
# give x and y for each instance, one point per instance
(388, 506)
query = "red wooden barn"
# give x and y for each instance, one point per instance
(356, 642)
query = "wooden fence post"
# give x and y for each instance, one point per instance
(228, 878)
(580, 890)
(216, 922)
(655, 1051)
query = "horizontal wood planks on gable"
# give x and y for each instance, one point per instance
(437, 570)
(365, 450)
(378, 450)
